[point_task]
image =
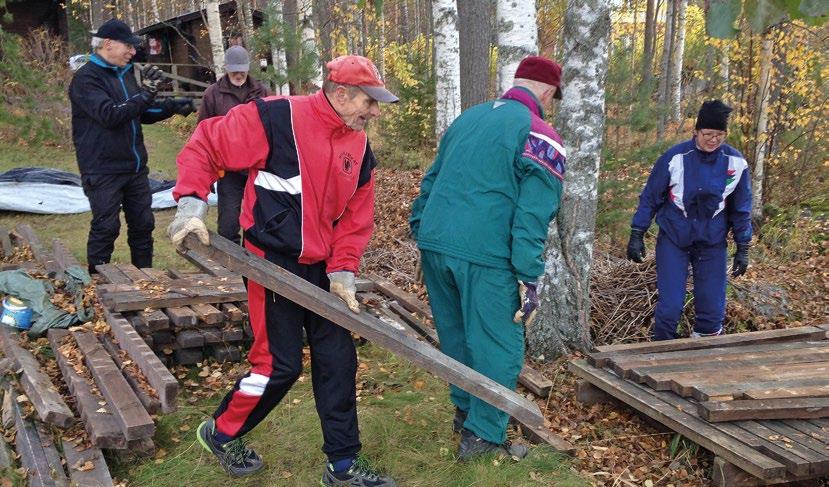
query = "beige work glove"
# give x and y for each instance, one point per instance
(189, 219)
(342, 286)
(528, 299)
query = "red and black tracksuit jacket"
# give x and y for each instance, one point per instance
(308, 207)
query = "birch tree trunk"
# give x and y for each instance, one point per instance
(447, 64)
(244, 17)
(280, 65)
(475, 35)
(517, 37)
(678, 53)
(323, 22)
(214, 31)
(762, 136)
(309, 40)
(648, 50)
(665, 65)
(404, 21)
(563, 322)
(154, 10)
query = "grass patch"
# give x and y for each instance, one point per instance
(405, 421)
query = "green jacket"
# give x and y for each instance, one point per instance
(494, 187)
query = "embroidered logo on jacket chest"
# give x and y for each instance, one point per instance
(348, 162)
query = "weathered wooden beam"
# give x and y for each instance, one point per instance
(742, 409)
(98, 422)
(86, 467)
(326, 305)
(45, 397)
(150, 403)
(131, 416)
(27, 443)
(159, 377)
(6, 248)
(26, 235)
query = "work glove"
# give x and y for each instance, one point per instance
(740, 264)
(636, 245)
(189, 219)
(342, 285)
(181, 106)
(528, 295)
(150, 77)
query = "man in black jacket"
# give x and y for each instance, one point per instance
(108, 108)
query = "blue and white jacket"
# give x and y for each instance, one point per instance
(697, 197)
(108, 108)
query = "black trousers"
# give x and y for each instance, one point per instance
(276, 363)
(107, 194)
(230, 190)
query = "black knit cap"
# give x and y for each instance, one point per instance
(713, 115)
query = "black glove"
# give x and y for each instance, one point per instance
(150, 77)
(181, 106)
(636, 245)
(738, 268)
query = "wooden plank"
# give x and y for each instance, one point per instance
(25, 234)
(135, 274)
(206, 264)
(181, 317)
(225, 353)
(324, 304)
(232, 335)
(788, 392)
(606, 353)
(140, 324)
(139, 299)
(795, 435)
(211, 335)
(44, 396)
(810, 429)
(407, 300)
(188, 356)
(155, 318)
(684, 385)
(207, 314)
(705, 435)
(714, 358)
(98, 422)
(429, 333)
(47, 442)
(6, 247)
(728, 391)
(27, 444)
(150, 403)
(190, 339)
(165, 385)
(802, 461)
(130, 415)
(232, 313)
(112, 274)
(78, 462)
(63, 257)
(743, 409)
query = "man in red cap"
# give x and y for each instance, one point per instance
(309, 208)
(481, 241)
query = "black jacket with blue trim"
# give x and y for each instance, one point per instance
(108, 108)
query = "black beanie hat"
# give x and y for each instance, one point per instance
(713, 115)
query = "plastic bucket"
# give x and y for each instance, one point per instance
(16, 313)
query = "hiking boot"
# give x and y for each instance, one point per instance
(360, 474)
(236, 458)
(460, 418)
(472, 447)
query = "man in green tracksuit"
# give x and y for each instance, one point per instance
(481, 222)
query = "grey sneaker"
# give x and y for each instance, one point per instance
(236, 458)
(458, 420)
(472, 447)
(359, 475)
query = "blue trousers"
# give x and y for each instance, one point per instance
(708, 263)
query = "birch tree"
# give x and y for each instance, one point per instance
(447, 64)
(563, 321)
(665, 68)
(517, 37)
(280, 65)
(309, 40)
(648, 50)
(214, 31)
(678, 54)
(244, 19)
(762, 136)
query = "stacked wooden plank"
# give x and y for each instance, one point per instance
(183, 317)
(756, 400)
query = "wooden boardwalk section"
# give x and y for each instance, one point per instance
(759, 401)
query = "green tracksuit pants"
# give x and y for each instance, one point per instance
(473, 306)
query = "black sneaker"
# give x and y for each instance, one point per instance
(236, 458)
(460, 418)
(359, 475)
(472, 447)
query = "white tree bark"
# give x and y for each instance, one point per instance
(214, 31)
(563, 321)
(678, 54)
(309, 39)
(517, 37)
(244, 17)
(762, 137)
(280, 64)
(665, 68)
(154, 9)
(447, 64)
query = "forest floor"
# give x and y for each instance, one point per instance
(405, 415)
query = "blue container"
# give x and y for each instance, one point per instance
(16, 313)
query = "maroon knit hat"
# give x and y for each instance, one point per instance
(541, 69)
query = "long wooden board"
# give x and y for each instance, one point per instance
(27, 444)
(78, 462)
(324, 304)
(799, 408)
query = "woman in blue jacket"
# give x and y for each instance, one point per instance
(698, 190)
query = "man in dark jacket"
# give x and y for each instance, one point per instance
(108, 108)
(234, 88)
(699, 191)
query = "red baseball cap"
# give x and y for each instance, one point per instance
(361, 72)
(541, 69)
